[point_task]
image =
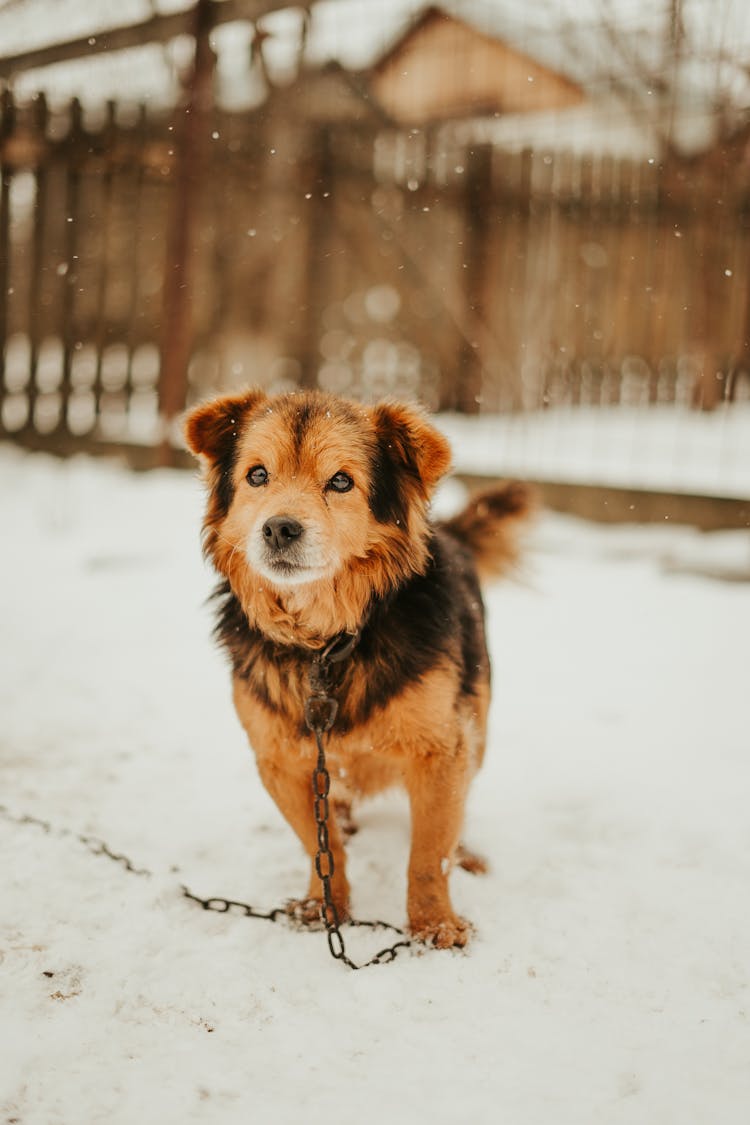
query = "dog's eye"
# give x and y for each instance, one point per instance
(257, 476)
(340, 482)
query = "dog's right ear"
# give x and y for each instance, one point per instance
(213, 426)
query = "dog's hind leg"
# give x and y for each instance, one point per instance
(471, 861)
(346, 822)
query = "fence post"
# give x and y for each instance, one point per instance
(468, 393)
(703, 345)
(38, 242)
(7, 124)
(71, 242)
(191, 144)
(105, 227)
(319, 168)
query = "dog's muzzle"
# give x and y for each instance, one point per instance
(280, 533)
(287, 552)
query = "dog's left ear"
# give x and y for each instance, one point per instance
(409, 444)
(213, 426)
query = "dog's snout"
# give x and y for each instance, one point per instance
(281, 531)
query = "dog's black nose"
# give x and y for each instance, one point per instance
(280, 531)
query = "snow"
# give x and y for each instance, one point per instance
(667, 448)
(608, 981)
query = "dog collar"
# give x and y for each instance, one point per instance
(339, 648)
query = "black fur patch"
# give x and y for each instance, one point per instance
(226, 457)
(302, 414)
(434, 616)
(392, 465)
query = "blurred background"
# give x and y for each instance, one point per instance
(531, 218)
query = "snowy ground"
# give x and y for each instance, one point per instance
(608, 982)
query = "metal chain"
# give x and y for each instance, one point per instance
(321, 710)
(98, 847)
(91, 843)
(217, 905)
(320, 714)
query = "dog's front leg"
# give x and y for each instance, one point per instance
(437, 786)
(291, 788)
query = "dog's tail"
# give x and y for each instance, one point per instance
(491, 525)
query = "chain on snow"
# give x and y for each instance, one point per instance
(91, 843)
(320, 714)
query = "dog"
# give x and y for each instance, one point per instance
(317, 522)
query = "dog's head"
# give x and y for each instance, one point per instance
(315, 501)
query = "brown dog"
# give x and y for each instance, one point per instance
(317, 520)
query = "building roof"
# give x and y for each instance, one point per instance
(444, 67)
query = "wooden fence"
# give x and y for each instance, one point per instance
(366, 261)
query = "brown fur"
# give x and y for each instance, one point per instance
(414, 694)
(491, 525)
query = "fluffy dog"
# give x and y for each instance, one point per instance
(317, 521)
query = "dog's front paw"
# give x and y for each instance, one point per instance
(305, 912)
(445, 933)
(308, 912)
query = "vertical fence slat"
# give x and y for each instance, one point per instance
(318, 178)
(39, 228)
(71, 236)
(7, 124)
(105, 230)
(477, 203)
(135, 178)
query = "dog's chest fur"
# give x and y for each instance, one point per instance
(431, 629)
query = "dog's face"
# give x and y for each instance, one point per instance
(309, 492)
(299, 510)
